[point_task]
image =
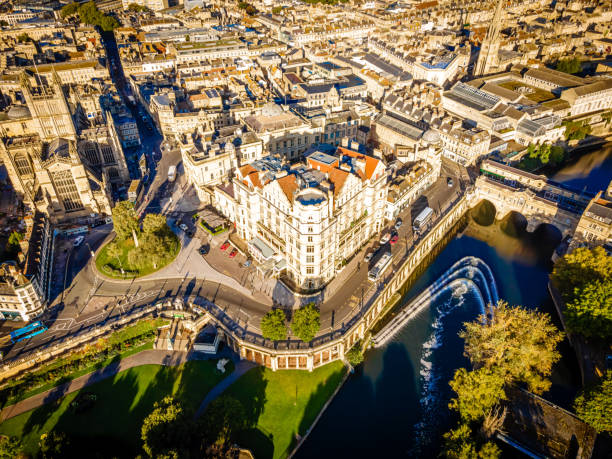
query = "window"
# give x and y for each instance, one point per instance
(309, 259)
(67, 190)
(309, 238)
(23, 164)
(309, 270)
(310, 249)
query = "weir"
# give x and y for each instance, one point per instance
(469, 272)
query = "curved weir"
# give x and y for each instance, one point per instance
(469, 273)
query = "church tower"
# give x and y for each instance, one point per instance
(487, 56)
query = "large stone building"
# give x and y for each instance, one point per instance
(55, 170)
(308, 218)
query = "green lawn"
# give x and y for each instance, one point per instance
(281, 404)
(112, 425)
(111, 266)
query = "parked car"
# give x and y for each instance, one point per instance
(78, 241)
(385, 238)
(394, 239)
(398, 224)
(233, 253)
(247, 263)
(183, 227)
(203, 250)
(368, 256)
(224, 246)
(449, 182)
(190, 233)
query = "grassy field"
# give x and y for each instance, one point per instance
(282, 404)
(535, 94)
(104, 261)
(112, 425)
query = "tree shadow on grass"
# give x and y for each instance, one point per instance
(250, 390)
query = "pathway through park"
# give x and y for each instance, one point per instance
(148, 357)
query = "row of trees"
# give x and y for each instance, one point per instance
(542, 155)
(584, 279)
(305, 323)
(576, 130)
(512, 346)
(89, 13)
(569, 65)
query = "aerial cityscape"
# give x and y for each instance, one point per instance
(305, 229)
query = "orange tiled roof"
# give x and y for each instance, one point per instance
(371, 163)
(289, 185)
(338, 177)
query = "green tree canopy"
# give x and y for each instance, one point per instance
(580, 267)
(460, 444)
(9, 447)
(306, 322)
(54, 445)
(273, 325)
(354, 355)
(155, 223)
(168, 431)
(590, 312)
(594, 406)
(125, 220)
(91, 15)
(223, 419)
(517, 343)
(478, 392)
(569, 65)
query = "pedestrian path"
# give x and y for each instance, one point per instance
(240, 369)
(148, 357)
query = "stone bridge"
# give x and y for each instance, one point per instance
(539, 200)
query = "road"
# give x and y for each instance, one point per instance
(92, 299)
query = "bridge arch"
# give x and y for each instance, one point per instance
(548, 234)
(514, 224)
(484, 213)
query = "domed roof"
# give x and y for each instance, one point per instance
(18, 111)
(271, 109)
(431, 136)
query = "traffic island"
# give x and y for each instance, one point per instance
(116, 259)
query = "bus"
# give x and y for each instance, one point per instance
(171, 173)
(381, 265)
(29, 331)
(422, 219)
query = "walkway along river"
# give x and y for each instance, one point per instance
(396, 403)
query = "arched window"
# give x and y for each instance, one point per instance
(23, 164)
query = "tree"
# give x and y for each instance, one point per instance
(478, 392)
(223, 419)
(594, 406)
(518, 344)
(125, 221)
(169, 430)
(23, 38)
(579, 267)
(460, 444)
(306, 322)
(69, 10)
(277, 9)
(54, 445)
(590, 312)
(273, 325)
(9, 447)
(570, 65)
(354, 355)
(154, 223)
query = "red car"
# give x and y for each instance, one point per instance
(394, 239)
(224, 246)
(233, 253)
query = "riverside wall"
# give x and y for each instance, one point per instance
(333, 346)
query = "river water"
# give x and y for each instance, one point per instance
(395, 405)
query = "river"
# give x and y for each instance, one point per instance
(395, 405)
